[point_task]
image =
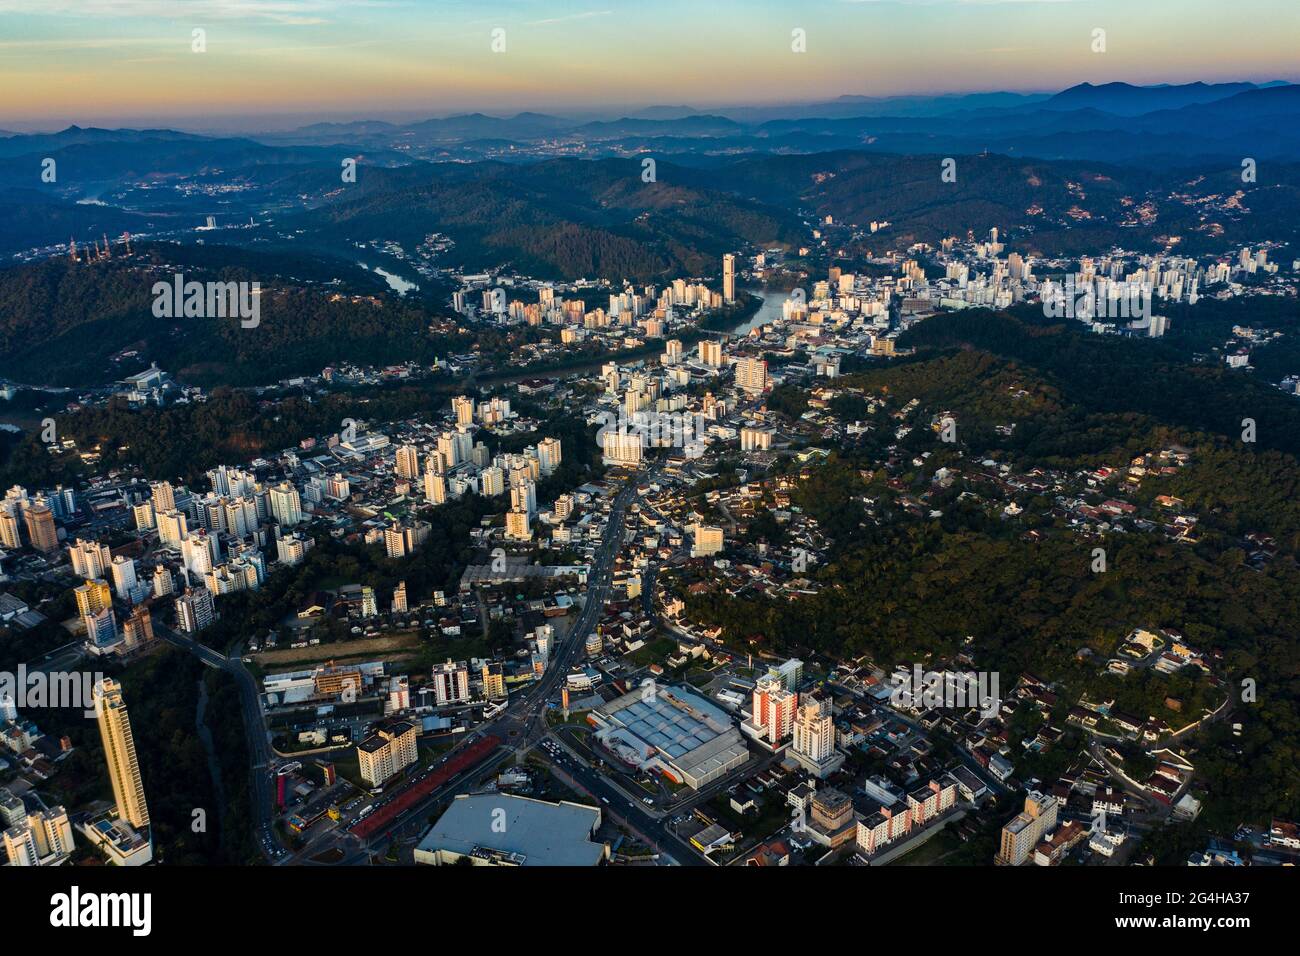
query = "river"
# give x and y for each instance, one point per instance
(767, 313)
(395, 282)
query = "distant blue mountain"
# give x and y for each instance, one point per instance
(1124, 99)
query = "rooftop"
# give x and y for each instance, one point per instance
(531, 832)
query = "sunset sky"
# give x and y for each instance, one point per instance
(277, 62)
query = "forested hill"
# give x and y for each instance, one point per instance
(1114, 375)
(68, 324)
(921, 569)
(559, 219)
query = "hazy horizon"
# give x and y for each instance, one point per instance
(271, 122)
(273, 64)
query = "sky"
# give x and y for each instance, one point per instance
(274, 63)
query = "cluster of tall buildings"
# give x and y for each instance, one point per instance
(404, 538)
(44, 836)
(29, 520)
(649, 307)
(94, 563)
(219, 537)
(779, 717)
(34, 838)
(646, 409)
(456, 464)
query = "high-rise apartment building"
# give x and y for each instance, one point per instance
(492, 481)
(751, 375)
(449, 448)
(622, 448)
(138, 628)
(9, 534)
(369, 604)
(494, 681)
(408, 462)
(42, 839)
(711, 352)
(119, 751)
(163, 582)
(387, 752)
(173, 526)
(772, 719)
(124, 578)
(755, 439)
(90, 559)
(162, 496)
(395, 541)
(41, 532)
(144, 516)
(814, 730)
(92, 597)
(201, 552)
(523, 497)
(435, 488)
(463, 407)
(517, 527)
(101, 629)
(1021, 835)
(708, 541)
(451, 683)
(286, 505)
(812, 741)
(194, 610)
(548, 454)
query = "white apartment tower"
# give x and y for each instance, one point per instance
(814, 731)
(286, 505)
(451, 683)
(124, 579)
(548, 454)
(90, 559)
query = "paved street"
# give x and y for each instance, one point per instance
(259, 748)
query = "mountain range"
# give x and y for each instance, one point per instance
(1181, 117)
(1061, 173)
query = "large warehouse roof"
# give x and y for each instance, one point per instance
(697, 737)
(537, 832)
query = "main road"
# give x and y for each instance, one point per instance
(259, 748)
(521, 725)
(523, 722)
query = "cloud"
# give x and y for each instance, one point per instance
(572, 16)
(93, 43)
(283, 12)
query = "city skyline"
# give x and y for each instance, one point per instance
(849, 434)
(271, 63)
